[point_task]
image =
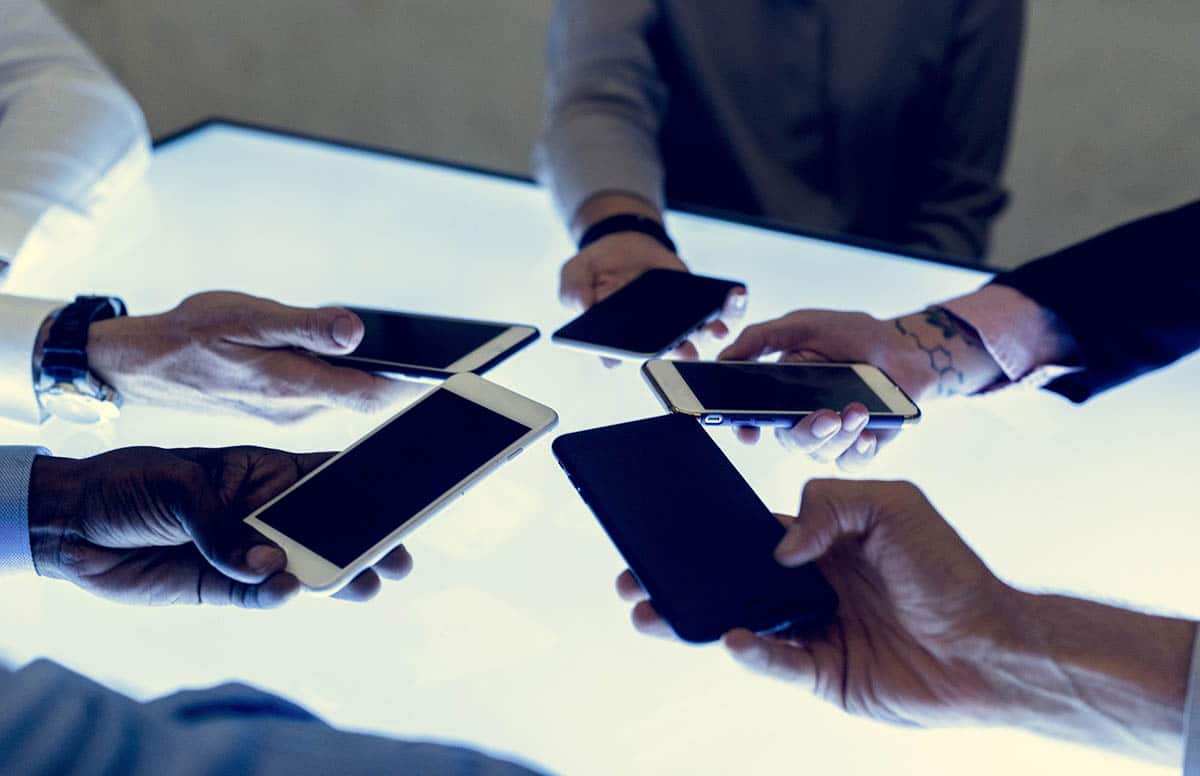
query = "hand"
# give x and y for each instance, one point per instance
(230, 351)
(150, 526)
(926, 353)
(927, 635)
(918, 609)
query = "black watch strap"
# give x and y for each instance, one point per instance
(627, 222)
(64, 354)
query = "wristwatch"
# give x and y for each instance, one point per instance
(65, 385)
(627, 222)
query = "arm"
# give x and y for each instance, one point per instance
(604, 105)
(926, 635)
(217, 350)
(228, 729)
(1130, 299)
(70, 136)
(959, 193)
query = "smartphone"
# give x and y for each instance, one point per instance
(650, 316)
(693, 532)
(351, 511)
(776, 394)
(431, 346)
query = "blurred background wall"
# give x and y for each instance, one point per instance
(1108, 122)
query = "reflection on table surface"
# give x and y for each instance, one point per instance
(508, 634)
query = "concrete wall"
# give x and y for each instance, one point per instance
(1108, 121)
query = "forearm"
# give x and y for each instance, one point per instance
(604, 103)
(1096, 674)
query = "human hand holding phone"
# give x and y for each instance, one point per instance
(927, 353)
(917, 608)
(155, 527)
(232, 352)
(611, 263)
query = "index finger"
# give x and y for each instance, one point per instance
(298, 375)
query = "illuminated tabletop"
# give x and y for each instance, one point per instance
(508, 635)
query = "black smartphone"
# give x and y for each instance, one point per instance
(774, 394)
(694, 533)
(433, 346)
(650, 316)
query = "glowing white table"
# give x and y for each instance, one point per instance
(508, 635)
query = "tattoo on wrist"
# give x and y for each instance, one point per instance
(951, 380)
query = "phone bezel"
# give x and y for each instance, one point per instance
(511, 339)
(320, 575)
(630, 355)
(676, 394)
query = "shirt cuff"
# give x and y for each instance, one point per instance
(1021, 336)
(1191, 716)
(21, 319)
(16, 463)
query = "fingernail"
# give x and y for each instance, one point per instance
(738, 299)
(859, 423)
(863, 445)
(264, 558)
(344, 330)
(825, 426)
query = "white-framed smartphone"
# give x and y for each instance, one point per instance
(776, 394)
(653, 314)
(358, 506)
(431, 346)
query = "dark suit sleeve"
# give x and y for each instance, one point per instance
(1130, 298)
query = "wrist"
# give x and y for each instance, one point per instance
(605, 205)
(938, 355)
(56, 491)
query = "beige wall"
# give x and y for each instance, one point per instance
(1108, 123)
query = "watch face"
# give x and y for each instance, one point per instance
(75, 407)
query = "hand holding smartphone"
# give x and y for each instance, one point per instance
(432, 346)
(776, 394)
(693, 532)
(359, 505)
(650, 316)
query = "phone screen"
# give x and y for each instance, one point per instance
(420, 340)
(692, 530)
(347, 508)
(651, 313)
(777, 387)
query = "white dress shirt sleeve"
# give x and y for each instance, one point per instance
(605, 102)
(20, 320)
(15, 466)
(70, 136)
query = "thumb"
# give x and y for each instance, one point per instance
(229, 543)
(325, 330)
(830, 510)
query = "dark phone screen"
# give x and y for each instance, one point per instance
(349, 507)
(781, 387)
(651, 313)
(691, 529)
(420, 340)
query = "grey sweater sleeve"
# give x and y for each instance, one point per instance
(604, 104)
